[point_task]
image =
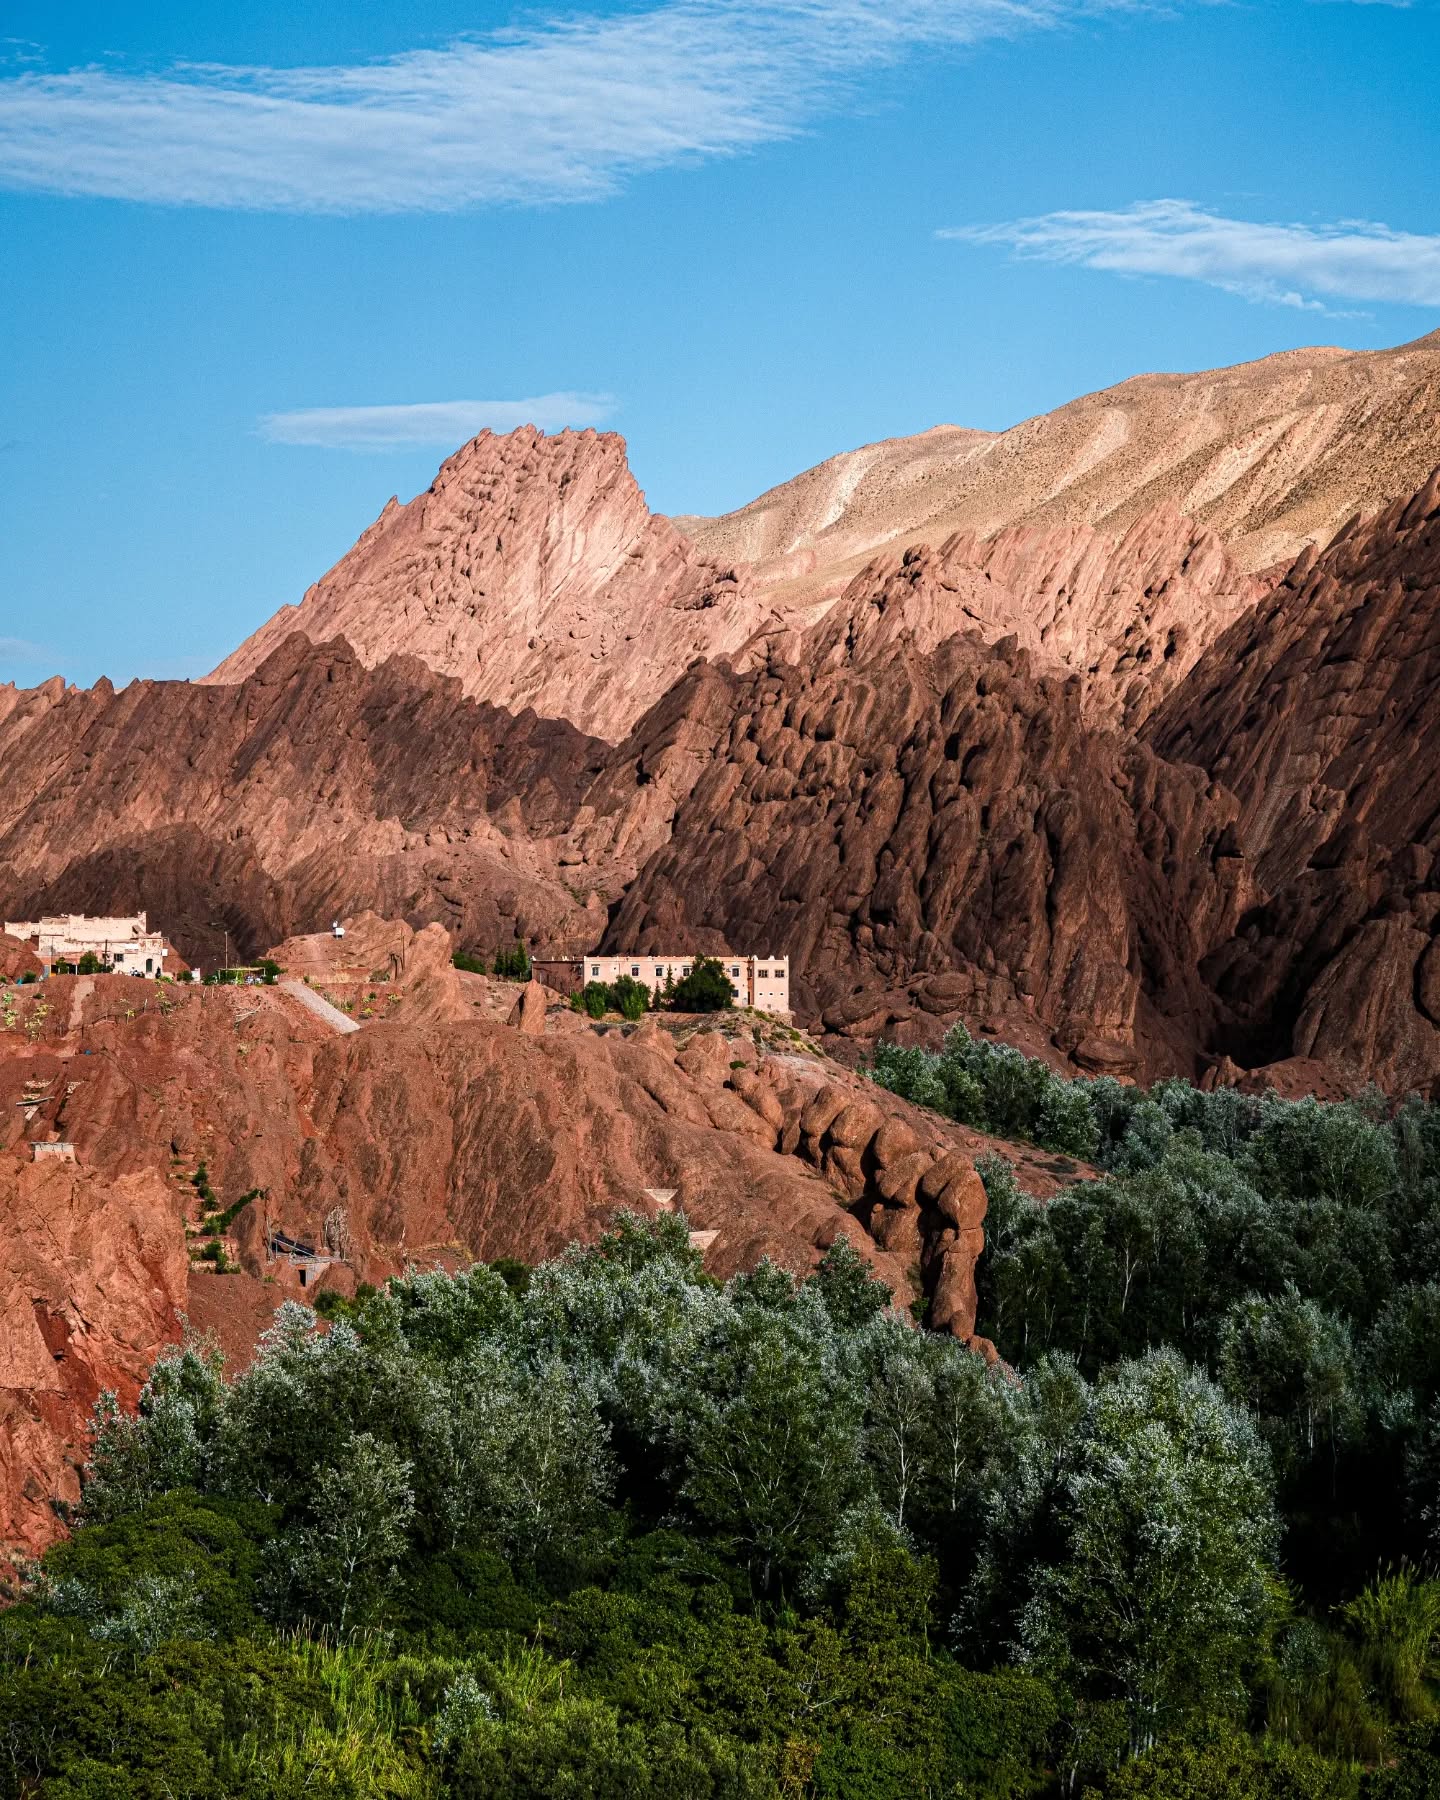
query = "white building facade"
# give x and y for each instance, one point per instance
(126, 944)
(761, 982)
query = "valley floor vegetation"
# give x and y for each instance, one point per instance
(610, 1528)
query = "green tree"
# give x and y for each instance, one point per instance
(630, 998)
(343, 1561)
(164, 1444)
(527, 1459)
(769, 1437)
(513, 962)
(1161, 1590)
(845, 1281)
(1293, 1364)
(706, 988)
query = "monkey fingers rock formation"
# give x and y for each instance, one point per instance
(1128, 615)
(432, 1134)
(317, 787)
(1319, 711)
(935, 835)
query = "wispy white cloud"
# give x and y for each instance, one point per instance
(22, 651)
(435, 422)
(561, 110)
(1304, 266)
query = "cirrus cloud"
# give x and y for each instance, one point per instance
(562, 110)
(1296, 265)
(433, 422)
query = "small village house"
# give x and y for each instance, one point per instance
(125, 944)
(761, 982)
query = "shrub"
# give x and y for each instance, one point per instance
(705, 989)
(513, 963)
(630, 998)
(470, 962)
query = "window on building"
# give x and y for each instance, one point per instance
(595, 971)
(734, 968)
(634, 968)
(762, 974)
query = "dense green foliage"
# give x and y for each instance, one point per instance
(994, 1088)
(626, 996)
(608, 1527)
(469, 962)
(513, 962)
(707, 988)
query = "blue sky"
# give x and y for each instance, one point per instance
(746, 234)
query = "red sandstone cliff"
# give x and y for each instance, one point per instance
(1319, 713)
(431, 1134)
(532, 571)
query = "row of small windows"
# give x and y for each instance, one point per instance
(684, 969)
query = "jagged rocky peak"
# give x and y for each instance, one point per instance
(533, 571)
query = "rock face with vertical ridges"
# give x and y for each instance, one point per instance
(532, 571)
(1319, 712)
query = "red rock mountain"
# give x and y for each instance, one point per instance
(1319, 712)
(1111, 860)
(1270, 456)
(1116, 536)
(532, 571)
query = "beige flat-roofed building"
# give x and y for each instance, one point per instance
(125, 942)
(762, 982)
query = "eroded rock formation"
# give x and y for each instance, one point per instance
(1319, 713)
(432, 1134)
(533, 572)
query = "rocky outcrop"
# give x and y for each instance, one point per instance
(315, 789)
(414, 1139)
(532, 571)
(528, 1012)
(1318, 714)
(937, 836)
(92, 1282)
(1128, 614)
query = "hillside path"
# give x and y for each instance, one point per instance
(321, 1007)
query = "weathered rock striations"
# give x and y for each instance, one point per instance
(1129, 614)
(1319, 712)
(936, 836)
(532, 571)
(1270, 455)
(314, 789)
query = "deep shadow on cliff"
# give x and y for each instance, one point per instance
(1227, 861)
